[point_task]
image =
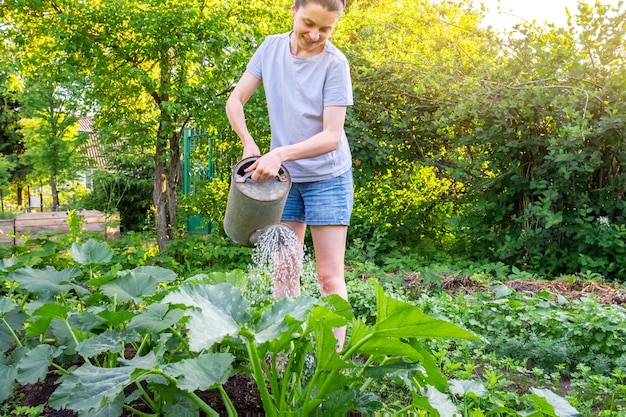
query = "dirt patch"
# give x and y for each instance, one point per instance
(240, 388)
(571, 289)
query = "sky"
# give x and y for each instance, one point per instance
(516, 11)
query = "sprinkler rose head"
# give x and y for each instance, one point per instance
(281, 230)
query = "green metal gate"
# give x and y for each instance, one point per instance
(197, 167)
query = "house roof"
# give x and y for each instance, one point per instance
(93, 148)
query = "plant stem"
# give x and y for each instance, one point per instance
(310, 401)
(146, 397)
(354, 348)
(197, 400)
(203, 406)
(74, 338)
(230, 408)
(268, 404)
(144, 340)
(137, 412)
(17, 339)
(368, 381)
(181, 338)
(59, 368)
(404, 411)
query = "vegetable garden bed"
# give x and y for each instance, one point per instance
(204, 343)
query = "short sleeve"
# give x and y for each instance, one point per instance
(338, 85)
(255, 66)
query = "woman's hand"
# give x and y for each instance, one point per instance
(251, 150)
(266, 167)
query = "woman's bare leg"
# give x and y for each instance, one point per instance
(329, 243)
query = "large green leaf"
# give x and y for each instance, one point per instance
(341, 307)
(273, 324)
(399, 319)
(156, 318)
(33, 367)
(217, 311)
(85, 388)
(440, 402)
(183, 407)
(38, 327)
(52, 310)
(548, 402)
(236, 278)
(84, 321)
(112, 341)
(158, 273)
(390, 346)
(464, 387)
(342, 402)
(202, 372)
(8, 374)
(324, 320)
(7, 263)
(44, 282)
(131, 286)
(434, 376)
(6, 306)
(140, 363)
(91, 252)
(116, 319)
(109, 408)
(137, 283)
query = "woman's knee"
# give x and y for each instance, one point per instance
(332, 284)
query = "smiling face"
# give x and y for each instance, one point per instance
(312, 26)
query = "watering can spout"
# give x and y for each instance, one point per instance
(254, 205)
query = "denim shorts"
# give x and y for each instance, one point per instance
(318, 203)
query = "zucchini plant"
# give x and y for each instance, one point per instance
(145, 338)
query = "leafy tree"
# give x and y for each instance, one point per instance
(11, 145)
(154, 68)
(50, 133)
(410, 60)
(545, 134)
(525, 134)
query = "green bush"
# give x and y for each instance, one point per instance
(128, 191)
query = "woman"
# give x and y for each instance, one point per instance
(308, 88)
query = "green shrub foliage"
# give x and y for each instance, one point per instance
(128, 191)
(552, 133)
(524, 134)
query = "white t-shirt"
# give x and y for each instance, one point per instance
(297, 90)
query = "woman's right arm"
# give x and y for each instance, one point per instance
(242, 92)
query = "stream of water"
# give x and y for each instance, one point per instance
(280, 253)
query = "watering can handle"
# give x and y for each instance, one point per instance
(242, 178)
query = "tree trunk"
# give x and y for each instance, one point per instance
(20, 196)
(161, 182)
(159, 197)
(172, 180)
(55, 193)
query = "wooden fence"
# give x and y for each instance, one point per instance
(11, 230)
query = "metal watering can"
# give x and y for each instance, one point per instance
(253, 206)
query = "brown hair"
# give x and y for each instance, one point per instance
(330, 5)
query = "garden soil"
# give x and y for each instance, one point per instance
(244, 393)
